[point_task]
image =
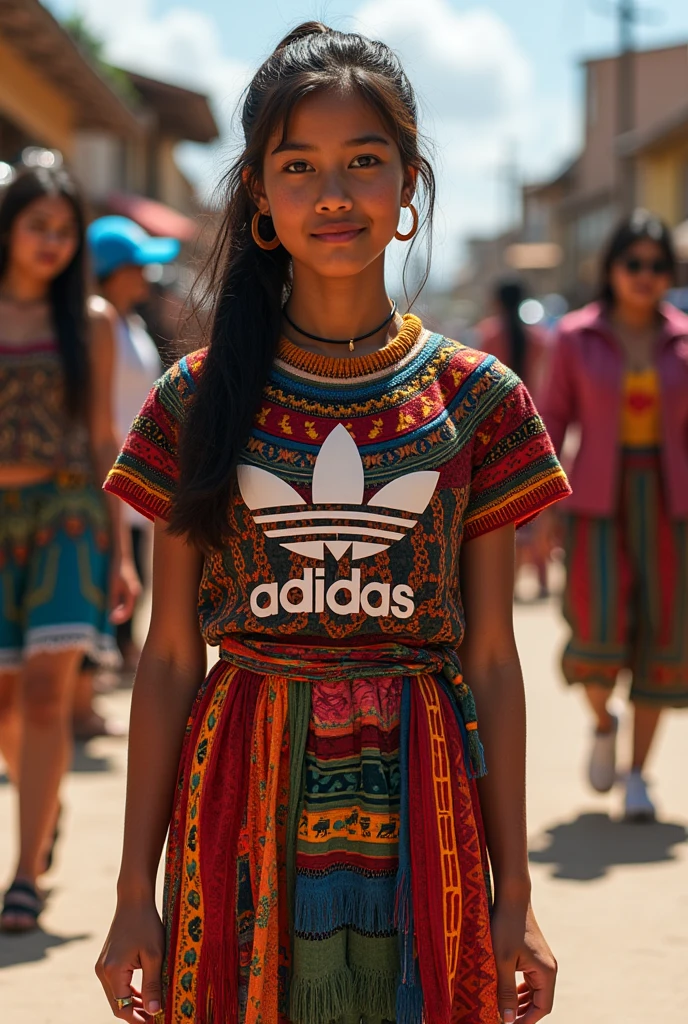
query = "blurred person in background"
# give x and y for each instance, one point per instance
(525, 350)
(120, 250)
(620, 371)
(66, 574)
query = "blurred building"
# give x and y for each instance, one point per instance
(118, 134)
(49, 92)
(116, 130)
(566, 220)
(138, 176)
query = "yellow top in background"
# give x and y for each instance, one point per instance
(640, 419)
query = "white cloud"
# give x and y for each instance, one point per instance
(472, 79)
(181, 45)
(466, 65)
(478, 103)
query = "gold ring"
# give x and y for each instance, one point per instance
(127, 1001)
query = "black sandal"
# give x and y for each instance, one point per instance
(22, 899)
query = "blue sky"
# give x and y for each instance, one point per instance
(494, 78)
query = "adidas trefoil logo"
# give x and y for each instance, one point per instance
(338, 480)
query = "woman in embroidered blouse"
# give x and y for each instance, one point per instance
(57, 580)
(313, 474)
(620, 371)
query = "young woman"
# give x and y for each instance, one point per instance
(620, 371)
(56, 439)
(525, 350)
(332, 487)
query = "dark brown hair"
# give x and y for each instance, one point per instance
(248, 285)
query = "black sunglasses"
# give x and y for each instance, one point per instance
(634, 265)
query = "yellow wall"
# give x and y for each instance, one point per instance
(33, 103)
(661, 176)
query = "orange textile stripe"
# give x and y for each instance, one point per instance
(268, 793)
(187, 954)
(444, 810)
(138, 492)
(519, 507)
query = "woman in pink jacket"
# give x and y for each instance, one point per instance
(620, 374)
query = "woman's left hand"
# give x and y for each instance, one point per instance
(125, 588)
(520, 946)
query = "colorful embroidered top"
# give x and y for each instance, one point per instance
(640, 416)
(360, 482)
(34, 427)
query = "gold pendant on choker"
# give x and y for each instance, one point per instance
(351, 346)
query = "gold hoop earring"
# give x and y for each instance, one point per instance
(414, 228)
(260, 242)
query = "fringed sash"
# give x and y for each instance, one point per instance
(440, 756)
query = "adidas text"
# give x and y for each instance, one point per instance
(308, 594)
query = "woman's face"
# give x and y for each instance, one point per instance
(334, 187)
(44, 238)
(641, 276)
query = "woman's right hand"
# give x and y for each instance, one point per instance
(136, 941)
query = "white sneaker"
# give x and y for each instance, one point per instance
(602, 767)
(638, 806)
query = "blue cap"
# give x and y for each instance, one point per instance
(120, 242)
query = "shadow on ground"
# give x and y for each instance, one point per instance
(84, 761)
(586, 848)
(32, 947)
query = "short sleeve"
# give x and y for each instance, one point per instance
(146, 472)
(515, 471)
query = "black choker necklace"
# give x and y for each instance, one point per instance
(347, 341)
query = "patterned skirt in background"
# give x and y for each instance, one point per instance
(626, 596)
(54, 571)
(326, 860)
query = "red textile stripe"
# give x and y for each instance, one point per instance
(426, 874)
(174, 860)
(579, 577)
(475, 990)
(222, 812)
(668, 567)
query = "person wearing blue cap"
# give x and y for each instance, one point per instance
(120, 252)
(117, 243)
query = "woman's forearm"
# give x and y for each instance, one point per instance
(500, 702)
(163, 696)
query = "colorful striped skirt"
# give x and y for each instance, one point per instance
(626, 596)
(54, 571)
(326, 860)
